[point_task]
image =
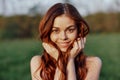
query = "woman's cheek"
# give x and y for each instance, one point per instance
(53, 37)
(73, 36)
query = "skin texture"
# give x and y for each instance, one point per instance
(94, 65)
(64, 34)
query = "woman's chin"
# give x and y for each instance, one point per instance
(63, 49)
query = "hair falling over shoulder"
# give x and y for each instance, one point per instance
(49, 64)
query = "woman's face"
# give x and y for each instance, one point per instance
(64, 32)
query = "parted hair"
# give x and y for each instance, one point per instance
(48, 63)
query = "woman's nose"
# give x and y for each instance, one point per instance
(63, 35)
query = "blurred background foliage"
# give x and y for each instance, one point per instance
(101, 22)
(19, 26)
(27, 26)
(19, 43)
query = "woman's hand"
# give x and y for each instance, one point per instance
(77, 46)
(51, 50)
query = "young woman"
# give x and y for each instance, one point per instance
(63, 34)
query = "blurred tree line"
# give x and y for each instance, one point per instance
(101, 22)
(19, 26)
(27, 26)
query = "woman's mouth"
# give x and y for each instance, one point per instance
(64, 44)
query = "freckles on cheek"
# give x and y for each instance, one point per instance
(73, 36)
(53, 37)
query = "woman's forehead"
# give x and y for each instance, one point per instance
(63, 20)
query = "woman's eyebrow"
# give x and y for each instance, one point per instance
(66, 27)
(71, 26)
(55, 27)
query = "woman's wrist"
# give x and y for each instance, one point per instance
(71, 74)
(71, 58)
(70, 62)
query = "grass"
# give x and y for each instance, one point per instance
(15, 56)
(107, 47)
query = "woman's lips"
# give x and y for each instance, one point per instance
(64, 44)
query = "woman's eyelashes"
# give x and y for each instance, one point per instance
(55, 31)
(70, 29)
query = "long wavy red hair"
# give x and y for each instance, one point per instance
(49, 64)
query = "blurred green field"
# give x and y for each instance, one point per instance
(15, 56)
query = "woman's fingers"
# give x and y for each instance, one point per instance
(46, 47)
(81, 43)
(77, 46)
(51, 50)
(74, 51)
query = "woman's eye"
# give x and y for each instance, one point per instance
(55, 31)
(71, 30)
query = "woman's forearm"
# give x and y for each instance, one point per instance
(71, 74)
(57, 74)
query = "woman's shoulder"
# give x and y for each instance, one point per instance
(34, 66)
(93, 61)
(35, 60)
(94, 67)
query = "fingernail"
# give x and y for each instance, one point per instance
(78, 38)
